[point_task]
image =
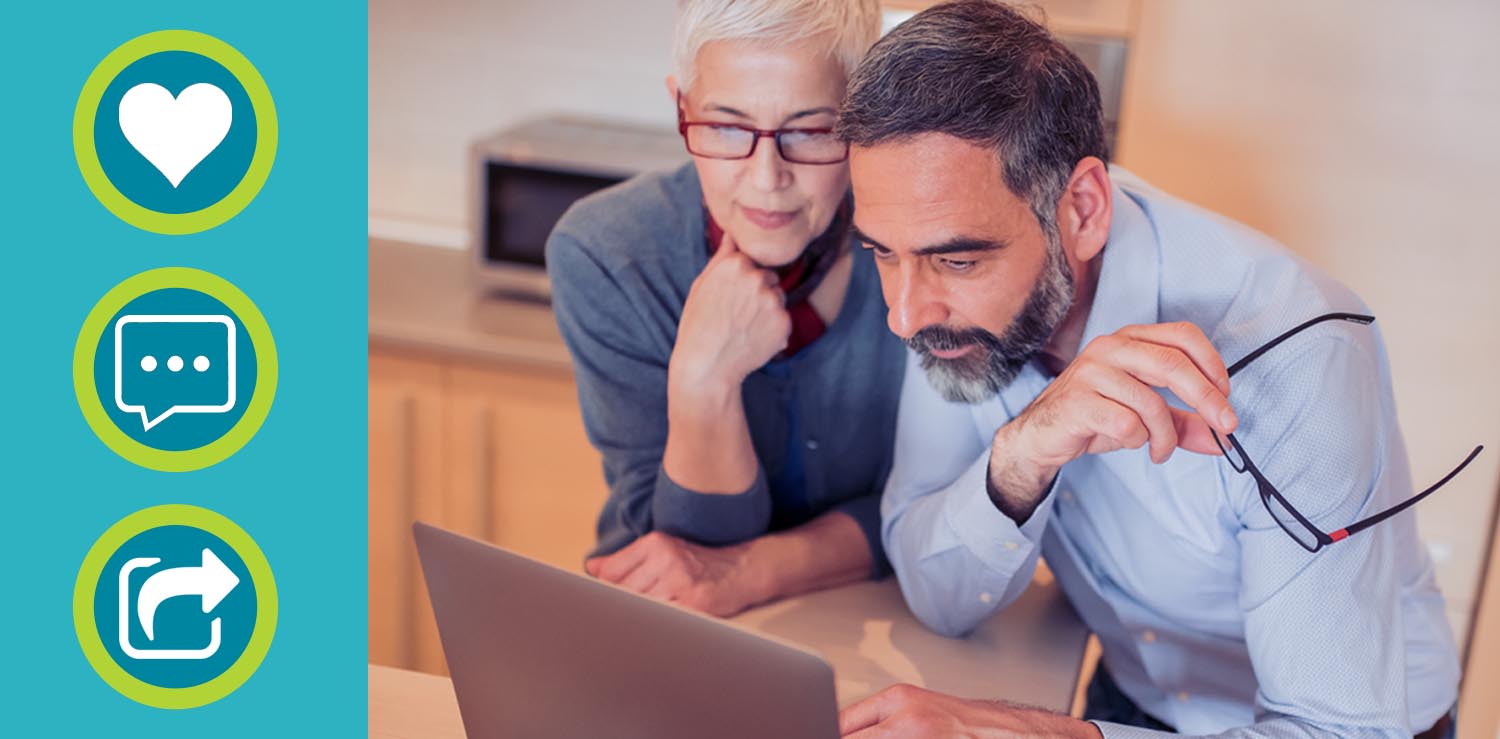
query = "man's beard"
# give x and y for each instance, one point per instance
(995, 361)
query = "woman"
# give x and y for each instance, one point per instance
(729, 341)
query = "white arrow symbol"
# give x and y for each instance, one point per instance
(213, 581)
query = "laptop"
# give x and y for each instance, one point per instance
(538, 652)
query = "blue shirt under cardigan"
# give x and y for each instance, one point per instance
(822, 422)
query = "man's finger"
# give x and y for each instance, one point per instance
(861, 715)
(1150, 406)
(1191, 340)
(1172, 368)
(1193, 434)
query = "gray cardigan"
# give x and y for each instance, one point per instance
(822, 422)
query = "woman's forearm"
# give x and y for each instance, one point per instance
(708, 439)
(825, 552)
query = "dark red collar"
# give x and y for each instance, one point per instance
(800, 277)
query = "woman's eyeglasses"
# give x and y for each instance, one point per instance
(729, 141)
(1291, 521)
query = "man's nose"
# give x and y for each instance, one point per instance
(911, 302)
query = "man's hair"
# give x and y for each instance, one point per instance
(848, 27)
(982, 72)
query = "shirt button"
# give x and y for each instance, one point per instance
(1149, 636)
(1183, 696)
(1012, 546)
(812, 445)
(985, 597)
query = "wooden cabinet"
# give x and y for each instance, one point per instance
(493, 450)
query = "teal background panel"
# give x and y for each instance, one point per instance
(299, 252)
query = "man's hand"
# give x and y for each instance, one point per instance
(718, 581)
(909, 712)
(734, 321)
(1105, 400)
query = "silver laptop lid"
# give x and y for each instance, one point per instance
(536, 651)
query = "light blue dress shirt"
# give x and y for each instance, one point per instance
(1211, 618)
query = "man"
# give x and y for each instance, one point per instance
(1070, 322)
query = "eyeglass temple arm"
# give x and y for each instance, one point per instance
(1252, 356)
(1359, 526)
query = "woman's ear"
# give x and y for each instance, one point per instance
(672, 88)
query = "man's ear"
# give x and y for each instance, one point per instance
(672, 88)
(1085, 210)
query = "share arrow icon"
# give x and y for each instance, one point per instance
(212, 581)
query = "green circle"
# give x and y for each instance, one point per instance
(87, 347)
(88, 631)
(88, 107)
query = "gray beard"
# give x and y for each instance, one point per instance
(996, 361)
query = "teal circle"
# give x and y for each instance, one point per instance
(211, 179)
(248, 557)
(181, 430)
(101, 318)
(179, 622)
(90, 99)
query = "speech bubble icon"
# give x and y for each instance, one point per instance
(174, 364)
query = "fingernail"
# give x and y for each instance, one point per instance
(1227, 419)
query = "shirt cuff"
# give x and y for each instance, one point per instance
(1112, 730)
(865, 510)
(709, 518)
(990, 535)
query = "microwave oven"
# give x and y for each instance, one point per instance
(525, 177)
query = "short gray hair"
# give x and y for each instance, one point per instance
(982, 72)
(849, 26)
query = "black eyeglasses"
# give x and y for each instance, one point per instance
(1296, 525)
(729, 141)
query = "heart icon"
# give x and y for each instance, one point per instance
(175, 134)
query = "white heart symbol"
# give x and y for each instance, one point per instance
(175, 134)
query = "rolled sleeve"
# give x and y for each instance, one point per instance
(711, 518)
(865, 510)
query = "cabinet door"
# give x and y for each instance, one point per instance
(406, 484)
(522, 473)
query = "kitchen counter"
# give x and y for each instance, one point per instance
(425, 298)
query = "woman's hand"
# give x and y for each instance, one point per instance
(719, 581)
(734, 321)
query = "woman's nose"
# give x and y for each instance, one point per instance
(768, 171)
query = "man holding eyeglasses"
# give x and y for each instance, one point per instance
(1229, 533)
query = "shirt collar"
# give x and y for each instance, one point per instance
(1130, 276)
